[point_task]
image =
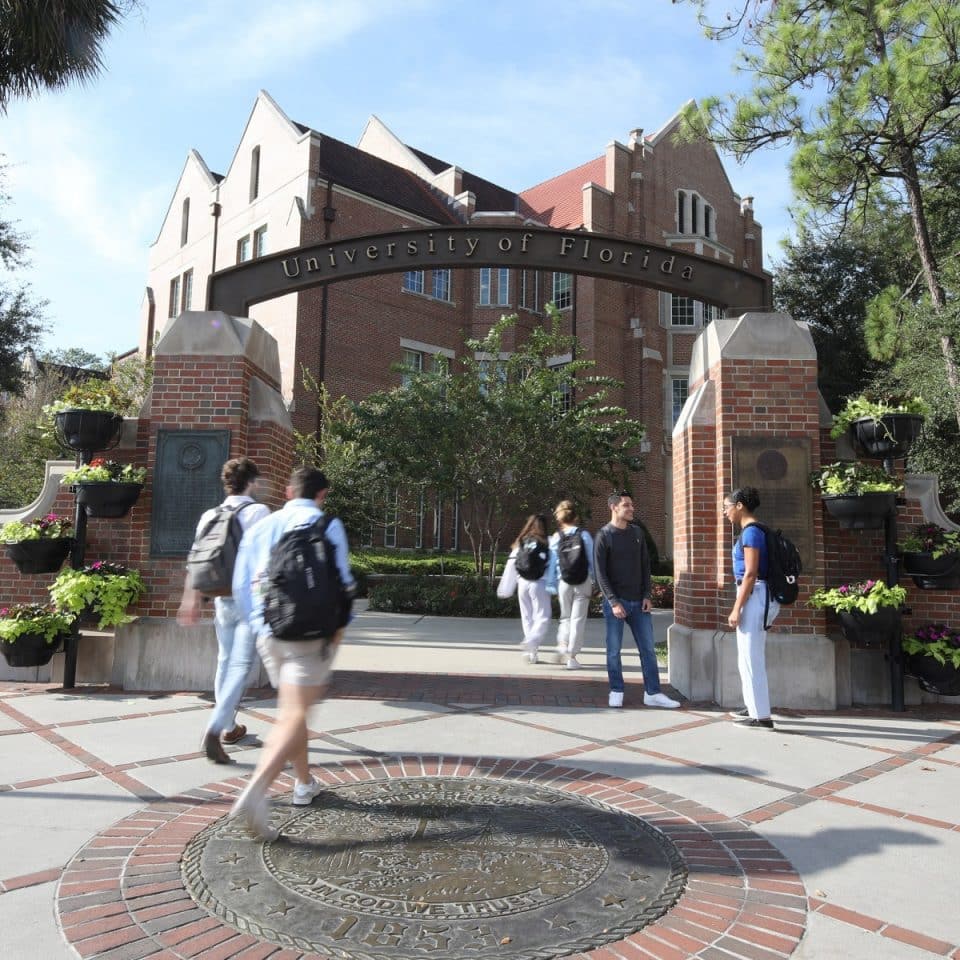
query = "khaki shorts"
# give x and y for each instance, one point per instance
(298, 663)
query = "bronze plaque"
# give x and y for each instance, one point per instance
(186, 481)
(440, 867)
(779, 467)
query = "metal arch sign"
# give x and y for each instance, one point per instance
(236, 289)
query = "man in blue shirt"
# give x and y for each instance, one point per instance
(299, 669)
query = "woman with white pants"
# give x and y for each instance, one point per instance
(751, 607)
(574, 596)
(526, 572)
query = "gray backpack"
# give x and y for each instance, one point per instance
(213, 555)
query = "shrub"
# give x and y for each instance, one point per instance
(441, 596)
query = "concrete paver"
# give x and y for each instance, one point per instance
(860, 803)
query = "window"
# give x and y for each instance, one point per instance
(708, 221)
(243, 249)
(187, 289)
(260, 241)
(494, 287)
(679, 388)
(254, 173)
(391, 518)
(413, 281)
(681, 311)
(697, 216)
(711, 312)
(681, 211)
(184, 221)
(414, 361)
(173, 307)
(563, 399)
(441, 284)
(530, 290)
(562, 290)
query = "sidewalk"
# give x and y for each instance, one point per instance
(835, 836)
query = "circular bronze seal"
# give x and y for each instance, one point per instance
(439, 867)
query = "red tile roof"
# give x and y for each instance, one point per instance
(559, 202)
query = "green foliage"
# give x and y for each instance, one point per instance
(867, 407)
(852, 478)
(882, 327)
(935, 640)
(93, 394)
(867, 596)
(106, 588)
(18, 619)
(442, 597)
(932, 539)
(502, 431)
(99, 470)
(49, 527)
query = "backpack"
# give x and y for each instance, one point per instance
(303, 595)
(783, 570)
(532, 557)
(213, 555)
(572, 558)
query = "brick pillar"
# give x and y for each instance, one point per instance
(751, 378)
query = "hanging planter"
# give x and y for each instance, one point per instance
(933, 657)
(890, 437)
(30, 634)
(39, 556)
(942, 679)
(929, 573)
(108, 499)
(865, 511)
(87, 430)
(869, 629)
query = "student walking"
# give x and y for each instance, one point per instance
(750, 607)
(300, 669)
(622, 565)
(570, 576)
(235, 642)
(526, 572)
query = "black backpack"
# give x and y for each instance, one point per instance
(303, 595)
(213, 555)
(572, 558)
(783, 570)
(532, 557)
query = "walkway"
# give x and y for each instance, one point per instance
(836, 836)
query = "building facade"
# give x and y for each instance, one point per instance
(289, 185)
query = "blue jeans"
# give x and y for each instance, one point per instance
(641, 626)
(235, 658)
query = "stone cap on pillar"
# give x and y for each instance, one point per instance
(751, 336)
(213, 333)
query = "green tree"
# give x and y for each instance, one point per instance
(75, 357)
(502, 432)
(52, 44)
(866, 94)
(21, 316)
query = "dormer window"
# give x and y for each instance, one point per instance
(694, 215)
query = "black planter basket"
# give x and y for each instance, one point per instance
(107, 499)
(929, 574)
(934, 677)
(890, 437)
(869, 629)
(30, 649)
(865, 511)
(86, 431)
(39, 556)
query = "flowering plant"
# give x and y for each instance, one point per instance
(99, 470)
(853, 478)
(92, 394)
(935, 640)
(929, 538)
(866, 596)
(864, 406)
(20, 618)
(50, 527)
(106, 588)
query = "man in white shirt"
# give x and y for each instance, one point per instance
(235, 642)
(300, 669)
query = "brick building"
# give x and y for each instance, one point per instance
(289, 185)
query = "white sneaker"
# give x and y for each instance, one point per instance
(615, 699)
(573, 663)
(660, 700)
(253, 808)
(529, 651)
(303, 793)
(531, 657)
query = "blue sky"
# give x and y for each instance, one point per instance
(513, 90)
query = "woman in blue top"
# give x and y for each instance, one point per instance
(747, 615)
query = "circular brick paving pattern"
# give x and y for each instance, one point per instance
(124, 894)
